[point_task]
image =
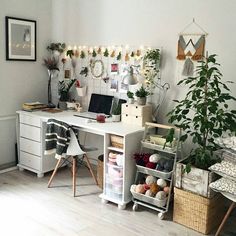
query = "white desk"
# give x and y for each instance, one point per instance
(31, 128)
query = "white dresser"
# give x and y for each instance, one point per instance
(31, 145)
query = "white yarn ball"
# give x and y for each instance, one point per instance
(162, 183)
(150, 180)
(161, 195)
(154, 158)
(149, 193)
(133, 187)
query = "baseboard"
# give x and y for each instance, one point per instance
(8, 169)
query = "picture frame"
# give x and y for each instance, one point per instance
(114, 68)
(20, 39)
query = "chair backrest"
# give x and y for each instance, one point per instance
(74, 148)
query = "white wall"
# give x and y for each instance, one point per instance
(21, 81)
(154, 23)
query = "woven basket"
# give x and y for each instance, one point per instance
(197, 212)
(117, 141)
(100, 171)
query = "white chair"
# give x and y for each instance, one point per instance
(74, 150)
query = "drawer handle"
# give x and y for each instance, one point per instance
(126, 105)
(126, 115)
(136, 107)
(136, 116)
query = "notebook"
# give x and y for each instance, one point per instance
(99, 104)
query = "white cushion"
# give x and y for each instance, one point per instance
(224, 185)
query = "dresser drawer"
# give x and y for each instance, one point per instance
(30, 146)
(30, 160)
(126, 118)
(30, 132)
(137, 110)
(30, 120)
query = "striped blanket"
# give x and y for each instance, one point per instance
(57, 138)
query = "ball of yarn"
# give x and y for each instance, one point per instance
(149, 193)
(133, 187)
(168, 166)
(161, 195)
(159, 167)
(151, 165)
(154, 158)
(154, 188)
(166, 190)
(150, 179)
(140, 188)
(146, 187)
(162, 183)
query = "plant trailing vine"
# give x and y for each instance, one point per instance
(204, 113)
(151, 65)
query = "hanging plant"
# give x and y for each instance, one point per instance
(118, 56)
(70, 53)
(84, 71)
(132, 54)
(138, 53)
(113, 53)
(60, 47)
(94, 54)
(127, 56)
(106, 53)
(82, 55)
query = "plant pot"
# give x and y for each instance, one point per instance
(62, 105)
(141, 100)
(115, 118)
(131, 100)
(81, 91)
(196, 181)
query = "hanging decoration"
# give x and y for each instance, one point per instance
(191, 47)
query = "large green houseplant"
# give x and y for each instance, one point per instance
(204, 113)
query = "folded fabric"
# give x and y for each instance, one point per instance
(224, 185)
(225, 169)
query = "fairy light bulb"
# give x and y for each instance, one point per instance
(90, 49)
(141, 47)
(103, 49)
(69, 47)
(75, 47)
(80, 47)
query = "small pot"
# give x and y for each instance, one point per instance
(62, 105)
(81, 91)
(115, 118)
(141, 100)
(131, 100)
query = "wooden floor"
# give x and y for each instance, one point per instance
(29, 208)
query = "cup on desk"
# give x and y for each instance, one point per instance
(100, 118)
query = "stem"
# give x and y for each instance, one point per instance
(49, 89)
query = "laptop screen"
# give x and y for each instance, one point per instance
(100, 103)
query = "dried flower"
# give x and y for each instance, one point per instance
(51, 63)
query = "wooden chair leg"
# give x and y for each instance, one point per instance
(74, 175)
(225, 218)
(54, 172)
(90, 168)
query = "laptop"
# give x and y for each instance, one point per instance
(99, 104)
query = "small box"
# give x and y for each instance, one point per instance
(136, 114)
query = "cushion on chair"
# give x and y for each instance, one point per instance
(225, 169)
(224, 185)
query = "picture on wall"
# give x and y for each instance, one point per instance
(114, 68)
(20, 39)
(114, 85)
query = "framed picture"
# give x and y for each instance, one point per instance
(114, 68)
(20, 39)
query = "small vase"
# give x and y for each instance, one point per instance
(131, 100)
(115, 118)
(141, 101)
(81, 91)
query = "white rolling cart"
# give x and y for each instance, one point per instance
(171, 152)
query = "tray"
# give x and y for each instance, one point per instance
(156, 173)
(150, 200)
(148, 144)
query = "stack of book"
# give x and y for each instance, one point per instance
(32, 106)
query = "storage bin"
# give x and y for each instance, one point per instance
(100, 171)
(117, 141)
(197, 212)
(115, 181)
(115, 171)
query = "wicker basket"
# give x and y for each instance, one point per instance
(117, 141)
(100, 171)
(197, 212)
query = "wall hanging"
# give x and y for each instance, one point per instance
(191, 47)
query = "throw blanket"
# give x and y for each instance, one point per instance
(57, 138)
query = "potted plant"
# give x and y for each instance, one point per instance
(57, 48)
(141, 95)
(116, 112)
(204, 114)
(130, 96)
(64, 87)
